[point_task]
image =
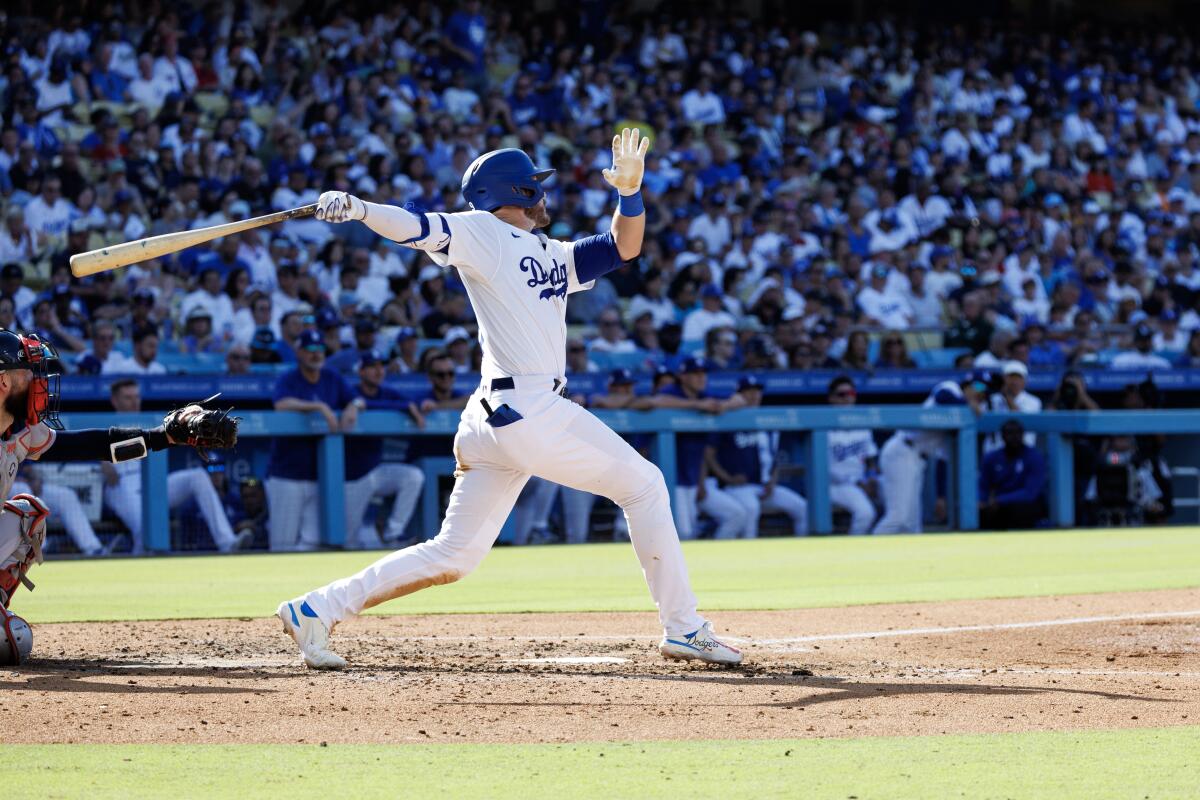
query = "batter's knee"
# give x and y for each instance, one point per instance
(642, 483)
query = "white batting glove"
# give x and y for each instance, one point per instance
(629, 162)
(340, 207)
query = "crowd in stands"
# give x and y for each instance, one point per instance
(886, 195)
(857, 196)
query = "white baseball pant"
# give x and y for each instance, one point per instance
(125, 499)
(728, 513)
(851, 497)
(903, 481)
(556, 440)
(577, 514)
(782, 500)
(402, 480)
(294, 508)
(532, 511)
(64, 503)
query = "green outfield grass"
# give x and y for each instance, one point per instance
(1153, 763)
(763, 574)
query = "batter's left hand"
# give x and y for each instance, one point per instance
(629, 162)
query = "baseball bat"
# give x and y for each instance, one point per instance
(122, 255)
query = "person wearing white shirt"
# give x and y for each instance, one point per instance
(612, 337)
(850, 454)
(147, 89)
(1170, 337)
(1029, 306)
(1022, 265)
(653, 300)
(885, 307)
(925, 305)
(173, 69)
(1012, 397)
(1142, 356)
(16, 239)
(712, 226)
(711, 314)
(48, 214)
(145, 351)
(996, 356)
(924, 210)
(703, 105)
(212, 298)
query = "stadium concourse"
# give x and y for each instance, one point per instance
(884, 196)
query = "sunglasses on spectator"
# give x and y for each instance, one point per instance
(442, 373)
(576, 349)
(845, 394)
(239, 356)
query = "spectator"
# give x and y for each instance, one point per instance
(145, 351)
(997, 351)
(103, 359)
(123, 484)
(720, 348)
(612, 340)
(458, 349)
(893, 353)
(577, 358)
(747, 466)
(48, 214)
(926, 306)
(971, 330)
(858, 348)
(292, 471)
(442, 395)
(1142, 355)
(47, 326)
(695, 492)
(237, 360)
(367, 475)
(1013, 398)
(853, 469)
(17, 240)
(711, 314)
(1012, 482)
(881, 305)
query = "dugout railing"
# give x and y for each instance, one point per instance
(812, 424)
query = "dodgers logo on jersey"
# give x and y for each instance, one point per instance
(539, 276)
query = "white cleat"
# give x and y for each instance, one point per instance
(701, 645)
(302, 624)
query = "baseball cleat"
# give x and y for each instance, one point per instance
(302, 624)
(701, 645)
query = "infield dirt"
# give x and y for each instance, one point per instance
(856, 671)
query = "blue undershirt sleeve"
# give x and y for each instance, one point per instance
(595, 256)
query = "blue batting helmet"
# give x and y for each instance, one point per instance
(503, 178)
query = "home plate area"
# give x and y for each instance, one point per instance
(1047, 663)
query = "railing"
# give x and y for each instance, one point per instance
(813, 423)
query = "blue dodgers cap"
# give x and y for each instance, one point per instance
(749, 382)
(711, 290)
(981, 379)
(369, 358)
(328, 319)
(263, 339)
(405, 333)
(311, 340)
(693, 364)
(1168, 315)
(620, 377)
(1143, 331)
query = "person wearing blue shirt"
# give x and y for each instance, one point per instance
(695, 491)
(747, 465)
(1012, 481)
(367, 476)
(465, 36)
(292, 471)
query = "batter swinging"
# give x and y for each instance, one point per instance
(518, 423)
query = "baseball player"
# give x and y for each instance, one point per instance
(695, 490)
(29, 404)
(292, 470)
(518, 423)
(747, 463)
(123, 485)
(902, 459)
(367, 476)
(851, 454)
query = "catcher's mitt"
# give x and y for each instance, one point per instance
(202, 428)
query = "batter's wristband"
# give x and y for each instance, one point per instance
(631, 205)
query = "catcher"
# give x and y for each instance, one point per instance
(29, 404)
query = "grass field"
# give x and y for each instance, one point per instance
(1056, 766)
(767, 574)
(764, 574)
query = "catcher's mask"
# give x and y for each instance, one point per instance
(27, 351)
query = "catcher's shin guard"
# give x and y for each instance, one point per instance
(22, 533)
(16, 639)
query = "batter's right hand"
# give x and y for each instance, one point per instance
(340, 207)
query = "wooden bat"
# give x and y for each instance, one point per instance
(122, 255)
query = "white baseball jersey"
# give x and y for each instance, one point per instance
(848, 454)
(518, 283)
(29, 443)
(930, 442)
